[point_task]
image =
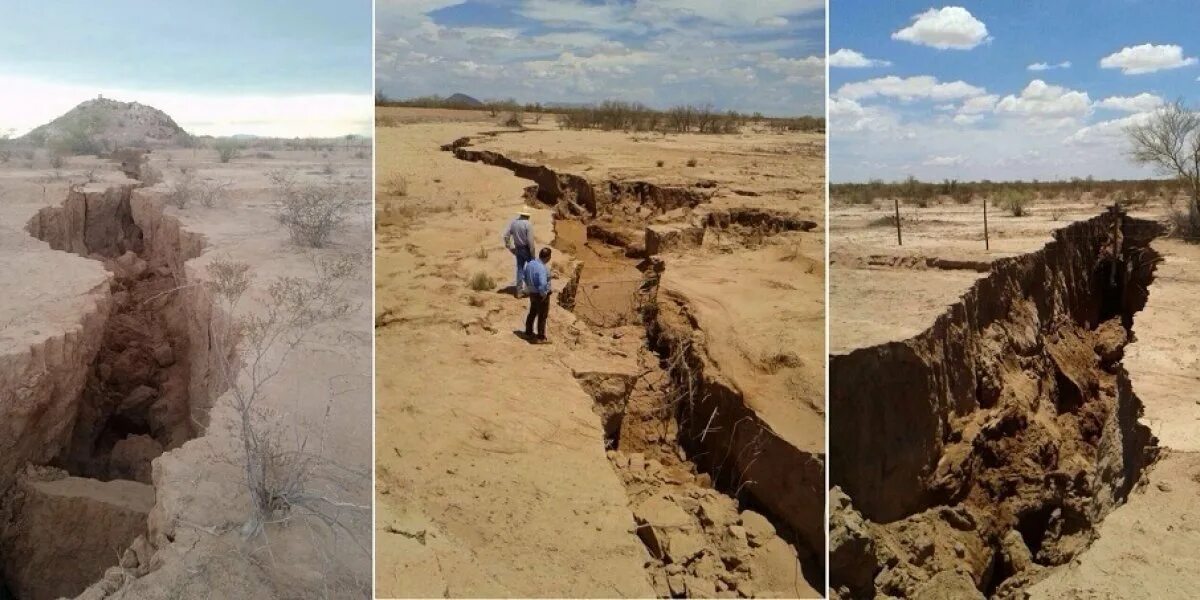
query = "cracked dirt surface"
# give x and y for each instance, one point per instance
(1146, 548)
(1000, 469)
(604, 350)
(191, 546)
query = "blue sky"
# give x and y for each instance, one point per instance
(763, 56)
(305, 53)
(1001, 90)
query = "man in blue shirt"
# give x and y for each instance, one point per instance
(518, 238)
(537, 279)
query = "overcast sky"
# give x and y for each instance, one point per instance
(269, 67)
(760, 55)
(1002, 90)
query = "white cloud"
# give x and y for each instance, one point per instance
(1040, 100)
(794, 70)
(979, 104)
(1107, 133)
(910, 88)
(1147, 58)
(576, 14)
(944, 161)
(952, 27)
(852, 59)
(846, 115)
(708, 51)
(416, 6)
(571, 39)
(666, 14)
(965, 119)
(763, 13)
(1041, 66)
(1143, 102)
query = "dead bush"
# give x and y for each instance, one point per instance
(287, 472)
(482, 282)
(151, 175)
(227, 149)
(183, 190)
(211, 193)
(397, 185)
(311, 212)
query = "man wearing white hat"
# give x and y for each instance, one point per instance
(518, 238)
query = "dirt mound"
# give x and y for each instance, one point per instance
(102, 125)
(1009, 428)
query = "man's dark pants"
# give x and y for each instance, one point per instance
(523, 255)
(539, 309)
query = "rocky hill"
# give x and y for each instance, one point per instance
(102, 125)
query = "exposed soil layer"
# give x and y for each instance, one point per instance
(134, 404)
(697, 518)
(986, 449)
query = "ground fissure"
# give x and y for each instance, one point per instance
(1001, 436)
(85, 510)
(706, 536)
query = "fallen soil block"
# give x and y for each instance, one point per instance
(61, 535)
(661, 238)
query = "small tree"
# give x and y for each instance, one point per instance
(1170, 142)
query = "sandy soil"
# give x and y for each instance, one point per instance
(492, 473)
(324, 386)
(943, 243)
(478, 492)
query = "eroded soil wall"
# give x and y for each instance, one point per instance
(148, 378)
(990, 444)
(686, 442)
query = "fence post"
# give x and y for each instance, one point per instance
(986, 244)
(899, 238)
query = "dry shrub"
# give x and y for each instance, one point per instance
(1015, 201)
(392, 213)
(397, 185)
(1185, 224)
(482, 282)
(151, 175)
(227, 149)
(288, 473)
(183, 190)
(311, 212)
(691, 162)
(211, 193)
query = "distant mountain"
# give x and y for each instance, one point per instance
(463, 100)
(102, 125)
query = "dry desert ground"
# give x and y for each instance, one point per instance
(669, 440)
(122, 467)
(1012, 420)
